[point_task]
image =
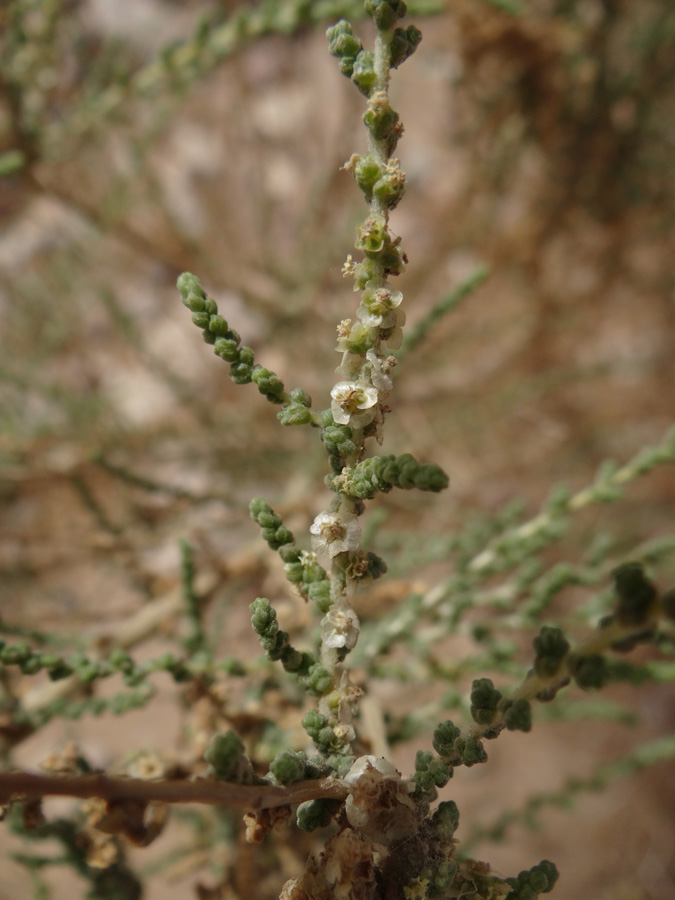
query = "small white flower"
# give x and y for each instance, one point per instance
(378, 307)
(340, 628)
(393, 341)
(378, 373)
(335, 534)
(351, 403)
(350, 366)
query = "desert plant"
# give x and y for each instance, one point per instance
(376, 832)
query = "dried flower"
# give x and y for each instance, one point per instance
(340, 628)
(335, 534)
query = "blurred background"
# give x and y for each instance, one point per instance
(539, 142)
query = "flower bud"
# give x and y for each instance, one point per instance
(379, 117)
(241, 373)
(288, 766)
(385, 12)
(264, 617)
(317, 813)
(226, 756)
(201, 319)
(517, 715)
(218, 326)
(484, 700)
(367, 172)
(363, 74)
(446, 820)
(372, 234)
(444, 738)
(195, 302)
(301, 397)
(588, 671)
(404, 42)
(187, 284)
(551, 646)
(636, 594)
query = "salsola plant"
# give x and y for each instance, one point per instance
(381, 833)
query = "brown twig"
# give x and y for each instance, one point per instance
(252, 798)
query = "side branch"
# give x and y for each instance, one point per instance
(251, 798)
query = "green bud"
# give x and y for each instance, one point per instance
(484, 701)
(470, 750)
(367, 172)
(317, 813)
(364, 75)
(404, 42)
(289, 553)
(345, 45)
(422, 760)
(389, 190)
(227, 349)
(318, 680)
(257, 506)
(385, 12)
(636, 594)
(444, 738)
(335, 31)
(187, 284)
(268, 519)
(424, 783)
(446, 820)
(393, 259)
(59, 671)
(195, 302)
(440, 772)
(241, 373)
(294, 414)
(300, 397)
(363, 273)
(380, 118)
(319, 593)
(517, 715)
(226, 756)
(288, 766)
(346, 65)
(588, 671)
(264, 617)
(313, 571)
(15, 654)
(372, 234)
(218, 326)
(32, 666)
(201, 319)
(294, 572)
(551, 646)
(291, 659)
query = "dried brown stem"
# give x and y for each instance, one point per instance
(252, 798)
